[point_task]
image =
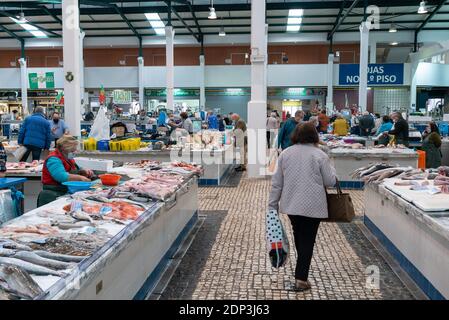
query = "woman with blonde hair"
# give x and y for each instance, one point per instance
(60, 167)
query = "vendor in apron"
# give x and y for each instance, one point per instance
(59, 167)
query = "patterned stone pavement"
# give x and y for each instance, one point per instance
(228, 258)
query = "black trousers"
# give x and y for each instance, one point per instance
(35, 153)
(268, 138)
(305, 230)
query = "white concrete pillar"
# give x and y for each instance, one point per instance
(82, 90)
(202, 83)
(140, 63)
(72, 65)
(363, 71)
(413, 83)
(330, 84)
(169, 53)
(257, 107)
(24, 85)
(372, 51)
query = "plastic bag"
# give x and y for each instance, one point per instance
(278, 246)
(273, 162)
(100, 128)
(7, 208)
(19, 153)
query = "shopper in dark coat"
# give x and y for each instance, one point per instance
(284, 136)
(432, 146)
(366, 124)
(35, 134)
(400, 129)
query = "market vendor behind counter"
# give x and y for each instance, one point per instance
(60, 167)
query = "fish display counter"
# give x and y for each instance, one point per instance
(100, 244)
(346, 161)
(413, 225)
(216, 163)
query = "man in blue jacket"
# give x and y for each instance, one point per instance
(35, 134)
(287, 129)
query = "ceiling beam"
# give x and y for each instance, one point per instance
(31, 24)
(196, 36)
(340, 21)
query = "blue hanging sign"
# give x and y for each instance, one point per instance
(378, 74)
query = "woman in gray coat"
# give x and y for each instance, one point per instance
(298, 190)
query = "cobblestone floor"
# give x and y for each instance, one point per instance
(228, 258)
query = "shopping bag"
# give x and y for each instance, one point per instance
(7, 208)
(273, 162)
(100, 128)
(339, 206)
(278, 246)
(19, 153)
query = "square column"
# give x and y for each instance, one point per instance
(169, 53)
(202, 83)
(24, 85)
(363, 84)
(82, 90)
(257, 107)
(372, 51)
(140, 63)
(413, 83)
(330, 84)
(72, 65)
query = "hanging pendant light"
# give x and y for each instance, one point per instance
(422, 8)
(212, 13)
(393, 28)
(222, 32)
(22, 18)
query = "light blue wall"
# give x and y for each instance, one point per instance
(236, 104)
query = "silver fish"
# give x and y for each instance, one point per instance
(79, 215)
(10, 244)
(30, 267)
(6, 252)
(59, 257)
(67, 226)
(41, 261)
(17, 282)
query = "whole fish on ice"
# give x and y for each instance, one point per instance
(30, 267)
(17, 282)
(41, 261)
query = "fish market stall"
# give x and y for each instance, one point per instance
(346, 161)
(107, 243)
(216, 163)
(413, 225)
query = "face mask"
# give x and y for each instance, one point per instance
(55, 120)
(70, 155)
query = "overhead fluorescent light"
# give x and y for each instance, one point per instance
(422, 8)
(394, 43)
(28, 27)
(294, 20)
(393, 28)
(156, 23)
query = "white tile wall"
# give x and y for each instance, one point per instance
(390, 99)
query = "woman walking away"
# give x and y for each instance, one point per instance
(298, 190)
(431, 145)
